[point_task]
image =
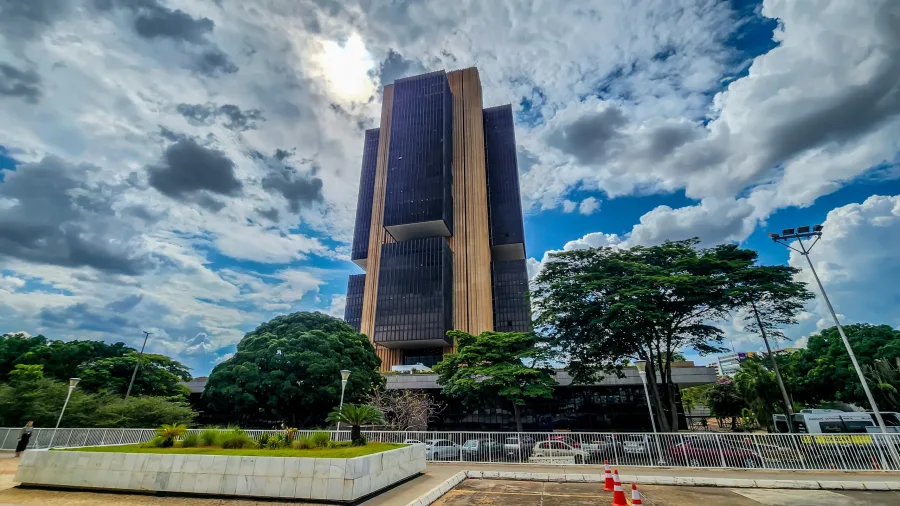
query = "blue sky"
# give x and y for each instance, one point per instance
(191, 168)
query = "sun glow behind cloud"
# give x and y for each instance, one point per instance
(346, 68)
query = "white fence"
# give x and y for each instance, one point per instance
(846, 452)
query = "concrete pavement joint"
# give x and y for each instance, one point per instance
(437, 492)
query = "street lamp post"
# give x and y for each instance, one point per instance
(344, 375)
(641, 366)
(73, 382)
(805, 233)
(138, 364)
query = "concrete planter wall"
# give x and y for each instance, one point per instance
(340, 480)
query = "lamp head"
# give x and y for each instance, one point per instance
(803, 230)
(817, 228)
(641, 365)
(73, 382)
(774, 237)
(787, 231)
(345, 374)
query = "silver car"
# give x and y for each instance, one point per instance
(441, 449)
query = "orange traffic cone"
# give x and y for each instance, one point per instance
(608, 485)
(635, 495)
(618, 493)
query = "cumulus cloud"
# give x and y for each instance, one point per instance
(235, 118)
(15, 82)
(589, 206)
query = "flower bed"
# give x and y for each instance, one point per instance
(191, 471)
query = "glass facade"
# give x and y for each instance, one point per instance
(425, 356)
(360, 251)
(512, 309)
(415, 293)
(418, 187)
(504, 200)
(353, 308)
(576, 408)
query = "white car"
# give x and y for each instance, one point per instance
(558, 449)
(411, 442)
(441, 449)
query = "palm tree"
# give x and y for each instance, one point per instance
(356, 415)
(168, 433)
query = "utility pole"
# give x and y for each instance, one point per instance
(800, 234)
(784, 395)
(138, 364)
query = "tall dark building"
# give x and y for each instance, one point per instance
(439, 227)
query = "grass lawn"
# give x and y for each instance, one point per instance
(346, 452)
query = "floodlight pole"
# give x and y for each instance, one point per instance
(138, 364)
(804, 250)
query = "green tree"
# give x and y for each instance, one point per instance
(772, 300)
(824, 371)
(64, 359)
(507, 365)
(884, 379)
(756, 384)
(600, 307)
(289, 369)
(725, 401)
(356, 416)
(32, 397)
(158, 375)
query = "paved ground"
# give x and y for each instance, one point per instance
(507, 493)
(529, 493)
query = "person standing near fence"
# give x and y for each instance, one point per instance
(24, 438)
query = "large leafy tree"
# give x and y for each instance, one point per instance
(289, 369)
(823, 371)
(157, 375)
(30, 396)
(601, 307)
(725, 401)
(756, 384)
(507, 365)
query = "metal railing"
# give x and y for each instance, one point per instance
(818, 452)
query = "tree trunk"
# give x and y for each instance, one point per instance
(673, 404)
(355, 432)
(518, 417)
(656, 400)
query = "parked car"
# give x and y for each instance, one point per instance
(441, 449)
(411, 442)
(482, 450)
(600, 447)
(638, 445)
(704, 451)
(569, 440)
(519, 447)
(558, 449)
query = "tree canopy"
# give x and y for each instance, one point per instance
(600, 307)
(495, 364)
(30, 396)
(101, 366)
(288, 369)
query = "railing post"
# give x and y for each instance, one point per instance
(5, 436)
(758, 451)
(87, 432)
(721, 453)
(69, 438)
(683, 451)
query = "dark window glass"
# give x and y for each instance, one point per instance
(366, 191)
(419, 170)
(353, 309)
(504, 200)
(831, 427)
(512, 309)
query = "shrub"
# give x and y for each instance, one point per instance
(279, 441)
(235, 438)
(290, 434)
(209, 437)
(303, 443)
(156, 442)
(168, 433)
(360, 441)
(190, 440)
(320, 439)
(262, 441)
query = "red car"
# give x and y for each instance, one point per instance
(707, 451)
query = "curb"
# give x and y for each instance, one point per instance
(437, 492)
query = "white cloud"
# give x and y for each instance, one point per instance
(589, 206)
(336, 308)
(592, 240)
(568, 206)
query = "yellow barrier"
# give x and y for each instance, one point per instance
(838, 439)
